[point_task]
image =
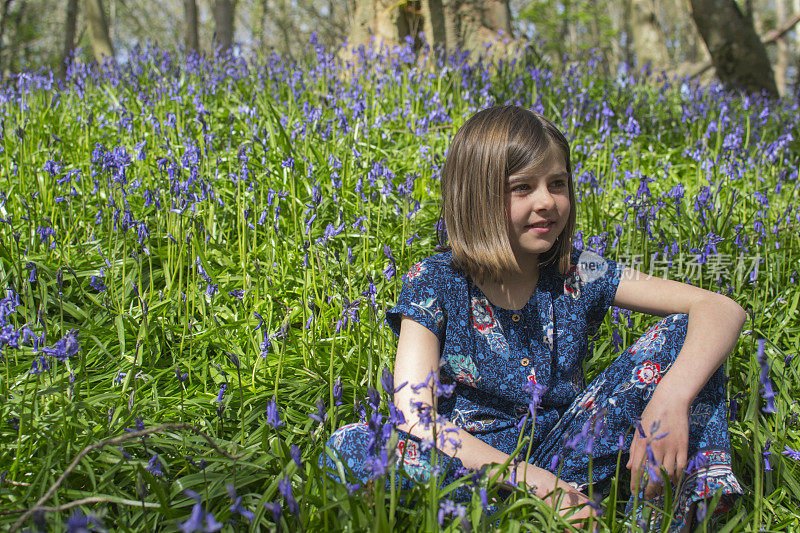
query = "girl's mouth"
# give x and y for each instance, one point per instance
(540, 228)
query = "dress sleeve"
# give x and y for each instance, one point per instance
(599, 279)
(421, 299)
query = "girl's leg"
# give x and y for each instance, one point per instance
(600, 422)
(353, 449)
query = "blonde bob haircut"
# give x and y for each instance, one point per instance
(491, 146)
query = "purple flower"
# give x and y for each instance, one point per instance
(389, 271)
(66, 347)
(154, 466)
(377, 463)
(766, 454)
(181, 377)
(273, 416)
(387, 380)
(96, 282)
(285, 488)
(321, 415)
(374, 397)
(275, 507)
(32, 267)
(337, 391)
(237, 504)
(39, 365)
(79, 522)
(196, 519)
(791, 454)
(220, 394)
(450, 508)
(766, 385)
(295, 452)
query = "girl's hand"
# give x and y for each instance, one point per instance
(666, 424)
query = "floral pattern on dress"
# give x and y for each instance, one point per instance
(649, 343)
(572, 283)
(549, 329)
(415, 271)
(472, 420)
(464, 369)
(648, 374)
(409, 453)
(431, 307)
(485, 322)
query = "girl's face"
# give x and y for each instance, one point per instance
(537, 203)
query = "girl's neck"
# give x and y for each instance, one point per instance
(514, 291)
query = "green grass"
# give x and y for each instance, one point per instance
(246, 120)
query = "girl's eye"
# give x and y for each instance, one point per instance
(520, 188)
(559, 183)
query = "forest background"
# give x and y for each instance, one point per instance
(196, 249)
(750, 43)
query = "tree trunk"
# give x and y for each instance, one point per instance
(738, 54)
(191, 39)
(648, 37)
(223, 23)
(98, 30)
(433, 14)
(477, 23)
(70, 26)
(3, 21)
(379, 18)
(16, 41)
(782, 52)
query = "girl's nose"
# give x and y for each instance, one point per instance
(543, 200)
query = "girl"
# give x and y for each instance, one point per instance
(506, 311)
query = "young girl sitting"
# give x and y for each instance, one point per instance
(507, 310)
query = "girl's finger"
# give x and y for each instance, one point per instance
(669, 466)
(680, 465)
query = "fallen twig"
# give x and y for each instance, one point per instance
(114, 440)
(86, 501)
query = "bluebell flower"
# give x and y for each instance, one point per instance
(181, 377)
(273, 417)
(321, 415)
(767, 391)
(154, 466)
(295, 453)
(337, 391)
(32, 268)
(39, 365)
(389, 271)
(65, 348)
(96, 282)
(285, 488)
(276, 510)
(237, 504)
(237, 293)
(79, 522)
(200, 520)
(791, 454)
(766, 454)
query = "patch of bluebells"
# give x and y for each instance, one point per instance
(767, 392)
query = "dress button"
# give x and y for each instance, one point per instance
(515, 317)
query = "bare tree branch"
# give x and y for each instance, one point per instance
(774, 35)
(112, 441)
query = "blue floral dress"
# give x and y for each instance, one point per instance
(493, 355)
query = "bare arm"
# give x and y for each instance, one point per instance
(417, 357)
(713, 329)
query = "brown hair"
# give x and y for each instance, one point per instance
(491, 146)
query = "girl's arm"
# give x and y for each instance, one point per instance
(417, 357)
(715, 322)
